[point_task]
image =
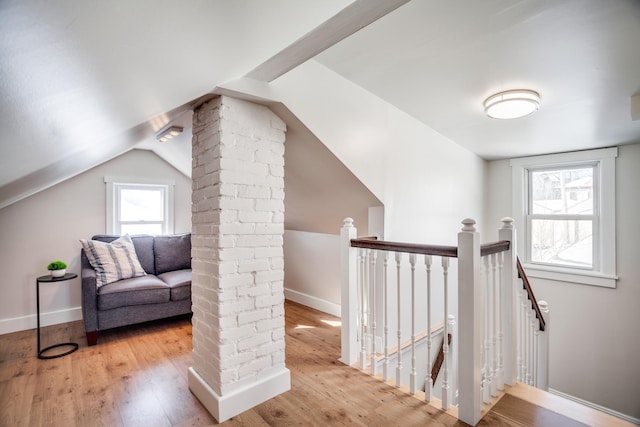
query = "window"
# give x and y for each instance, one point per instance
(564, 207)
(561, 216)
(136, 206)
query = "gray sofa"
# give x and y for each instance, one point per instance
(164, 292)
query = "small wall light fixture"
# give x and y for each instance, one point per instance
(512, 104)
(169, 133)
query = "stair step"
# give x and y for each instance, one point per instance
(550, 405)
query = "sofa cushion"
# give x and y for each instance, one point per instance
(112, 261)
(179, 281)
(144, 249)
(136, 291)
(172, 252)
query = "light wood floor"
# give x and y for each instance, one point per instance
(137, 376)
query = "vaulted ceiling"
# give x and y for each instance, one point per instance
(84, 81)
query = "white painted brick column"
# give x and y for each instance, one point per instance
(238, 268)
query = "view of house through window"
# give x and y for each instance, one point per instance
(562, 214)
(565, 205)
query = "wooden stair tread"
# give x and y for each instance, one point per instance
(567, 408)
(527, 414)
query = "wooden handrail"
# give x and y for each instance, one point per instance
(437, 365)
(495, 247)
(413, 248)
(446, 251)
(527, 286)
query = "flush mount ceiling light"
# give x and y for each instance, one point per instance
(169, 133)
(512, 104)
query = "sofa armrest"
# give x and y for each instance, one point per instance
(89, 294)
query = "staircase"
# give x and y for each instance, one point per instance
(392, 294)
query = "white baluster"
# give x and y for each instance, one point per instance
(535, 328)
(486, 299)
(372, 311)
(483, 291)
(412, 376)
(428, 382)
(495, 304)
(523, 336)
(363, 316)
(385, 366)
(399, 303)
(532, 346)
(525, 322)
(529, 340)
(481, 330)
(518, 337)
(451, 320)
(499, 305)
(445, 377)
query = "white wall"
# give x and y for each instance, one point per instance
(312, 270)
(426, 182)
(47, 226)
(321, 191)
(594, 331)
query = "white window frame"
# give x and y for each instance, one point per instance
(113, 202)
(603, 272)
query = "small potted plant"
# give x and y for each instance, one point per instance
(57, 268)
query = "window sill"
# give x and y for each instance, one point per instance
(571, 276)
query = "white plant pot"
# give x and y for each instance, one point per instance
(58, 273)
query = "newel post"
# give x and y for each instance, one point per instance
(349, 292)
(469, 324)
(509, 283)
(542, 371)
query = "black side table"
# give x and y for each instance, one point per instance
(74, 346)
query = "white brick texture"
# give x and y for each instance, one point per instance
(237, 229)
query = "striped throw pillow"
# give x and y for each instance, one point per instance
(113, 261)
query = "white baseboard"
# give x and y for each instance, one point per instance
(596, 406)
(24, 323)
(238, 401)
(313, 302)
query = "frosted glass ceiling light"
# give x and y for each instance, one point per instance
(512, 104)
(169, 133)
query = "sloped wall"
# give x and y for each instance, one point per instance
(426, 182)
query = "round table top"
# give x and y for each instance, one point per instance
(49, 278)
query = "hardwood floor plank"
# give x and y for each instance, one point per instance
(95, 395)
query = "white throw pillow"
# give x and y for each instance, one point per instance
(113, 261)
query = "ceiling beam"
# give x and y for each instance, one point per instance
(80, 161)
(348, 21)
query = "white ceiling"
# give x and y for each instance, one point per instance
(439, 60)
(83, 81)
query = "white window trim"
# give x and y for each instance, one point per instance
(605, 275)
(111, 203)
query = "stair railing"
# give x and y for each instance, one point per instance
(489, 350)
(533, 335)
